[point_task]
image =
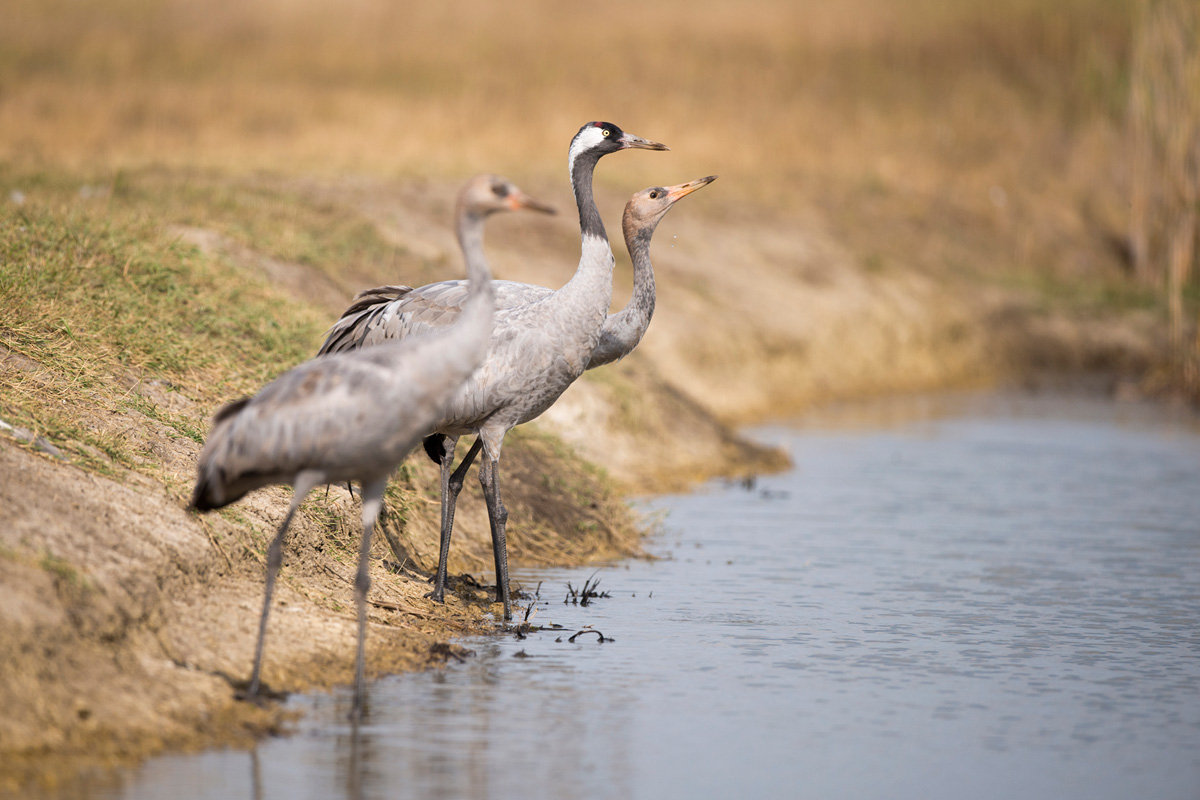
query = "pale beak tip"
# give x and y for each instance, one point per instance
(529, 203)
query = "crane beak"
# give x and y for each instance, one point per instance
(519, 200)
(629, 141)
(680, 191)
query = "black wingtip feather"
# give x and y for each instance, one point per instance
(373, 297)
(201, 498)
(435, 447)
(230, 409)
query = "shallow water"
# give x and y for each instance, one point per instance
(985, 598)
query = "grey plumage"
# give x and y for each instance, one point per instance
(388, 312)
(356, 415)
(542, 342)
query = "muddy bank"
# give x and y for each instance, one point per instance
(129, 623)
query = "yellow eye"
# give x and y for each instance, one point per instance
(606, 132)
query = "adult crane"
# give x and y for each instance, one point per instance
(537, 349)
(390, 312)
(356, 415)
(398, 311)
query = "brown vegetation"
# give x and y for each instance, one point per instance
(1165, 201)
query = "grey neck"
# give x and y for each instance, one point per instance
(623, 331)
(642, 301)
(480, 305)
(470, 240)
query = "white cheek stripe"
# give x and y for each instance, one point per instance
(588, 137)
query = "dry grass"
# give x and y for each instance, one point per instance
(964, 138)
(1165, 201)
(764, 94)
(980, 144)
(977, 143)
(98, 298)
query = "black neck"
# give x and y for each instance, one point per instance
(590, 223)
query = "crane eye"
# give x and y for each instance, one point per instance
(654, 195)
(606, 132)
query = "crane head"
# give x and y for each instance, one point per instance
(646, 208)
(605, 137)
(487, 194)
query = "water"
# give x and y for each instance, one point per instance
(999, 599)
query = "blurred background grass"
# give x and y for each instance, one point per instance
(969, 140)
(771, 92)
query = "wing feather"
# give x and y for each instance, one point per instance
(398, 312)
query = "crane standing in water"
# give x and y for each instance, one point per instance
(537, 349)
(354, 416)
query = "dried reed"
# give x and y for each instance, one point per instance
(1165, 131)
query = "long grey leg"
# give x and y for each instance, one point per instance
(489, 476)
(305, 482)
(451, 485)
(372, 502)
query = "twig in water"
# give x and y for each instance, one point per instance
(447, 651)
(585, 595)
(526, 624)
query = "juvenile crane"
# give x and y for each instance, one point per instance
(623, 331)
(354, 416)
(539, 346)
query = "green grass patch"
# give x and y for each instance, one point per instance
(1100, 295)
(98, 297)
(290, 221)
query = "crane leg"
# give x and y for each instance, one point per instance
(489, 476)
(372, 502)
(451, 485)
(305, 482)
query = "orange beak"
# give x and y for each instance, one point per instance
(676, 193)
